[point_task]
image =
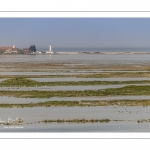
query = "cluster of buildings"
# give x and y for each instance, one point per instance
(8, 49)
(30, 50)
(13, 49)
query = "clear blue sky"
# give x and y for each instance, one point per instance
(75, 32)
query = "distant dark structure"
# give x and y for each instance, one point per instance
(32, 48)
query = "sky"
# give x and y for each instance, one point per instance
(75, 32)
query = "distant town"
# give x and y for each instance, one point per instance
(32, 50)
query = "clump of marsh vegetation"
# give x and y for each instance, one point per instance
(22, 81)
(83, 103)
(128, 90)
(77, 121)
(143, 120)
(18, 81)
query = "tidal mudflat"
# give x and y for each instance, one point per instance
(33, 79)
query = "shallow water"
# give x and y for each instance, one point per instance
(79, 59)
(61, 72)
(13, 100)
(58, 73)
(86, 79)
(25, 73)
(88, 127)
(39, 113)
(63, 88)
(92, 112)
(68, 88)
(47, 73)
(32, 115)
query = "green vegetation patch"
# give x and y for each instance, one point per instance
(143, 120)
(18, 81)
(128, 90)
(21, 81)
(77, 121)
(83, 103)
(83, 75)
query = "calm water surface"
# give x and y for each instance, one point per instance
(13, 100)
(63, 88)
(130, 115)
(86, 79)
(79, 59)
(39, 113)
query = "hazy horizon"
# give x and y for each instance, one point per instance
(96, 49)
(78, 33)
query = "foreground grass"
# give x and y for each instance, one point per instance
(84, 103)
(21, 81)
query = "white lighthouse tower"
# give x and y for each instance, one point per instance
(50, 48)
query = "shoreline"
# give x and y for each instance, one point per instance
(101, 52)
(74, 53)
